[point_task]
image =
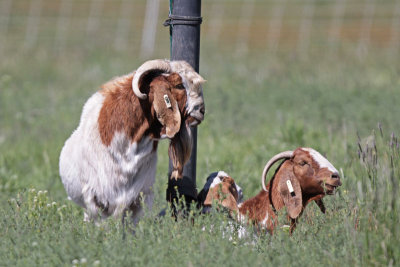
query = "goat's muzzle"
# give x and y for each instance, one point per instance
(332, 184)
(195, 115)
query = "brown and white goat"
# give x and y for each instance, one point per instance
(109, 162)
(304, 176)
(220, 187)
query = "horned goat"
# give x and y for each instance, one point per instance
(109, 162)
(304, 176)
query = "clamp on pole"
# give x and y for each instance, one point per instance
(182, 20)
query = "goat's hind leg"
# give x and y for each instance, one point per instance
(136, 211)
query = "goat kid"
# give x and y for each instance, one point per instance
(304, 176)
(222, 190)
(109, 162)
(220, 187)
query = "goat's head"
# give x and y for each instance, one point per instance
(304, 175)
(192, 81)
(164, 101)
(156, 81)
(222, 189)
(188, 92)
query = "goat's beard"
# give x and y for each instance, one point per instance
(179, 150)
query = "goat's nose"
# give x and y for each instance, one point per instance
(335, 175)
(200, 108)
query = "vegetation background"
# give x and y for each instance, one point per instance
(281, 74)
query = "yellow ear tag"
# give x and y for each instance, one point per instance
(167, 101)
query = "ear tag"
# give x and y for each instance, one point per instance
(290, 187)
(167, 101)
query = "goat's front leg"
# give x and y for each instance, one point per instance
(293, 223)
(136, 211)
(321, 205)
(136, 208)
(318, 201)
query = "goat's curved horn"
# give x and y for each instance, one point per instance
(282, 155)
(156, 64)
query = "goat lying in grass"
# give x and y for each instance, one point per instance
(220, 186)
(304, 176)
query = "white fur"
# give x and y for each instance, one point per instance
(215, 182)
(265, 220)
(322, 161)
(114, 175)
(192, 82)
(222, 174)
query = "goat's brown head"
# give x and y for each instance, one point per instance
(304, 175)
(156, 81)
(191, 82)
(223, 191)
(161, 93)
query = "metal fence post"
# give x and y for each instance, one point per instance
(184, 21)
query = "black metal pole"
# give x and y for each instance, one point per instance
(185, 19)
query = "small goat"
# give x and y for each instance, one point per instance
(110, 159)
(221, 188)
(304, 176)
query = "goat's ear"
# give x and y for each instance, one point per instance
(167, 111)
(146, 78)
(231, 186)
(222, 195)
(290, 190)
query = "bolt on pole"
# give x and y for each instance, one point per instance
(184, 21)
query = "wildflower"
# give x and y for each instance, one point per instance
(34, 244)
(83, 260)
(95, 263)
(75, 261)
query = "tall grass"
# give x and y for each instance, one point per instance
(360, 227)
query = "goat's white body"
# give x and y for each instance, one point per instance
(113, 175)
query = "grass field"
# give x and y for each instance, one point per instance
(345, 106)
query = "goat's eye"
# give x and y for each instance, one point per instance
(302, 163)
(180, 86)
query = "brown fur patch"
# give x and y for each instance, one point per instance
(123, 112)
(257, 208)
(224, 193)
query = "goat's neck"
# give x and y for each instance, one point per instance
(257, 208)
(123, 112)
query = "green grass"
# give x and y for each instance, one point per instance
(255, 108)
(341, 104)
